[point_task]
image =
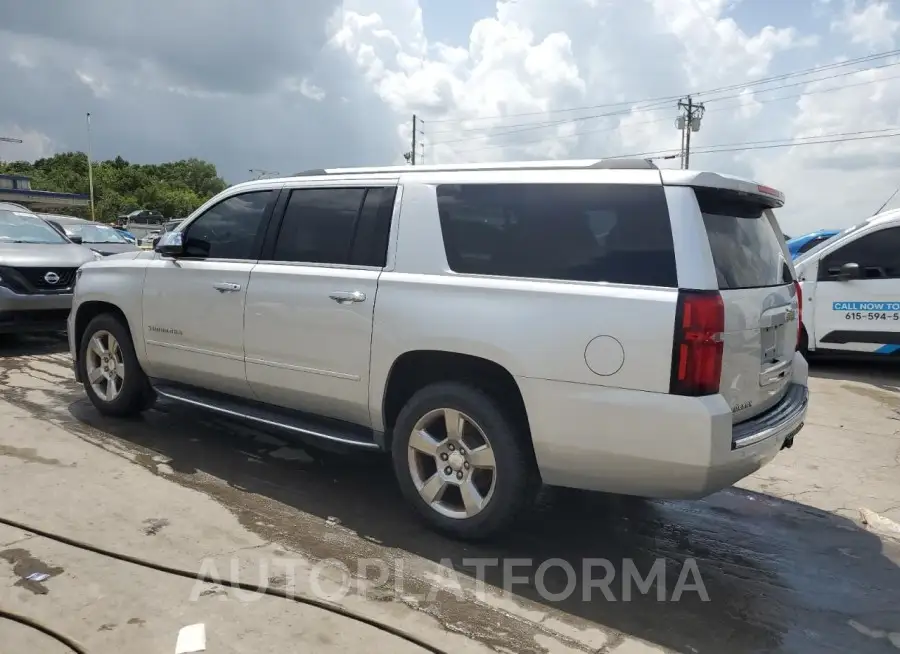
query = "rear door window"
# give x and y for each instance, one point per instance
(618, 233)
(747, 251)
(318, 225)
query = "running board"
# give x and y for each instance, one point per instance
(301, 424)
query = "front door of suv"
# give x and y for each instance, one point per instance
(308, 322)
(193, 305)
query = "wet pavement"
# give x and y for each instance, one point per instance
(780, 575)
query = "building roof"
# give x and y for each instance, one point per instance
(39, 199)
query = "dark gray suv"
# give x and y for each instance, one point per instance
(37, 273)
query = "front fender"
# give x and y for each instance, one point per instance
(112, 283)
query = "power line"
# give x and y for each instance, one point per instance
(529, 127)
(666, 118)
(765, 145)
(669, 98)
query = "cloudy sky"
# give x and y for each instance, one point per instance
(319, 83)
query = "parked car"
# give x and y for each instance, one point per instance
(805, 243)
(131, 238)
(100, 237)
(851, 282)
(610, 327)
(149, 240)
(142, 222)
(37, 273)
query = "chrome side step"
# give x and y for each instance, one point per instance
(301, 425)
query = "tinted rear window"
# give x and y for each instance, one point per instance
(747, 252)
(580, 232)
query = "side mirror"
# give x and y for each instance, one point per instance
(77, 240)
(169, 244)
(849, 271)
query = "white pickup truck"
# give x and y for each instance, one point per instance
(602, 325)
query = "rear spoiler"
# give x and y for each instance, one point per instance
(766, 195)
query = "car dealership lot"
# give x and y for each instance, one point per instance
(784, 560)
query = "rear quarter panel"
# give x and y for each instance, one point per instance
(598, 334)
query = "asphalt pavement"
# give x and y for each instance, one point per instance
(785, 561)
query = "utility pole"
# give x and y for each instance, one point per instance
(412, 160)
(688, 122)
(411, 155)
(90, 166)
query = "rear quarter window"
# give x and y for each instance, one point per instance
(746, 248)
(613, 233)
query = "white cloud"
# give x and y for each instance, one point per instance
(524, 79)
(98, 87)
(870, 25)
(34, 145)
(306, 88)
(541, 58)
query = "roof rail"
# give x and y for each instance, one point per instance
(625, 164)
(608, 164)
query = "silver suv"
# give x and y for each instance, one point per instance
(37, 273)
(600, 325)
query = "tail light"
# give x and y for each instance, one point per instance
(798, 291)
(698, 346)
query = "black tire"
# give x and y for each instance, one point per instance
(136, 394)
(517, 479)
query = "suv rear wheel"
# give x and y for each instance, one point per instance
(460, 462)
(112, 377)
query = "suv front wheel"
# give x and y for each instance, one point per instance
(460, 461)
(112, 377)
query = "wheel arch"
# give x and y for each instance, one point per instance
(416, 369)
(85, 313)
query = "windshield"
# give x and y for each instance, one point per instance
(22, 227)
(95, 233)
(810, 253)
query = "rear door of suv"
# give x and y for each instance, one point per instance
(311, 300)
(756, 282)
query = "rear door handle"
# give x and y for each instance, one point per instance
(346, 297)
(227, 287)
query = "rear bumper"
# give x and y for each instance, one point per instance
(649, 444)
(33, 313)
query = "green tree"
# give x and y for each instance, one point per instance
(175, 188)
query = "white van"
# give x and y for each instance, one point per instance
(851, 289)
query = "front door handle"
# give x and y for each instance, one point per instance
(227, 287)
(346, 297)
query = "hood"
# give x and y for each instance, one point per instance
(111, 248)
(44, 255)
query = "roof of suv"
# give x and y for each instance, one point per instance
(668, 177)
(579, 164)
